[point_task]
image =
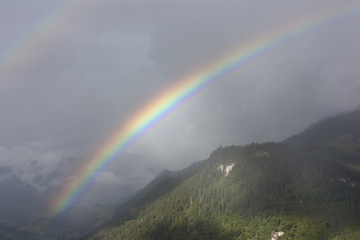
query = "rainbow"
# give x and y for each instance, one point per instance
(169, 101)
(30, 43)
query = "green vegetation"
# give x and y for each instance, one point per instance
(300, 192)
(308, 187)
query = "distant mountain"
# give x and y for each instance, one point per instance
(20, 203)
(13, 233)
(72, 223)
(307, 187)
(132, 172)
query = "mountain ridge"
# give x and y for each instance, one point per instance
(328, 128)
(305, 186)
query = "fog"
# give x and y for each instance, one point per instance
(72, 73)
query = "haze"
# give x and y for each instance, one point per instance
(71, 73)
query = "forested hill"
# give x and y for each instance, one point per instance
(287, 190)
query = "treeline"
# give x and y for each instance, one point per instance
(272, 187)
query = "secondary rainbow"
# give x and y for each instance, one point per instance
(168, 101)
(33, 41)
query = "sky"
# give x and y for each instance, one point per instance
(73, 72)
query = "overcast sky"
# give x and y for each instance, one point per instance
(72, 72)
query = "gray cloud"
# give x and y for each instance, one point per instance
(96, 69)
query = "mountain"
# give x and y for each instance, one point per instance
(13, 233)
(329, 129)
(163, 183)
(306, 187)
(20, 203)
(71, 223)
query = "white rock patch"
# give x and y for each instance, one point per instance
(221, 168)
(227, 168)
(277, 235)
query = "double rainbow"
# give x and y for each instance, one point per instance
(168, 101)
(28, 47)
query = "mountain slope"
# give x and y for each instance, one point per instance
(329, 129)
(271, 187)
(307, 187)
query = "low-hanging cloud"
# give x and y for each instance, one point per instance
(58, 109)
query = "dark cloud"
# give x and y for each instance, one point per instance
(107, 59)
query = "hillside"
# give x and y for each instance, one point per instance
(307, 187)
(328, 130)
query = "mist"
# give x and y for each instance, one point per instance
(73, 73)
